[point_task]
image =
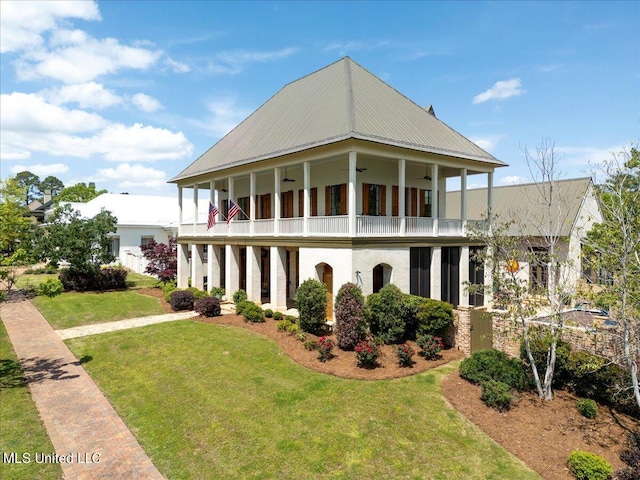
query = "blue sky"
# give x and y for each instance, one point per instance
(126, 94)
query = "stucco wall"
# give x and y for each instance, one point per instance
(130, 254)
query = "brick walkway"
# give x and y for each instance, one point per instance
(79, 419)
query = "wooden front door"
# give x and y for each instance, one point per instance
(327, 279)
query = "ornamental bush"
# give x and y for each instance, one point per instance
(51, 287)
(367, 353)
(252, 312)
(268, 313)
(631, 457)
(496, 395)
(386, 315)
(239, 296)
(93, 279)
(181, 300)
(277, 315)
(311, 300)
(207, 306)
(592, 376)
(539, 342)
(405, 352)
(433, 317)
(587, 407)
(430, 346)
(495, 365)
(240, 306)
(350, 325)
(168, 289)
(217, 292)
(324, 346)
(197, 293)
(588, 466)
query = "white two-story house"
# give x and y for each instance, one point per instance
(341, 178)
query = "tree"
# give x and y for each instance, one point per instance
(614, 245)
(163, 259)
(53, 184)
(79, 192)
(31, 183)
(84, 243)
(15, 228)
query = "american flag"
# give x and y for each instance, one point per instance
(233, 211)
(211, 219)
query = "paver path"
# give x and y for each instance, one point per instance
(79, 419)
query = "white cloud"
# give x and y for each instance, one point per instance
(146, 103)
(232, 63)
(225, 116)
(128, 175)
(119, 143)
(23, 22)
(9, 152)
(587, 156)
(86, 95)
(42, 170)
(511, 180)
(501, 91)
(487, 143)
(177, 67)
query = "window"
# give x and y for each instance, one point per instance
(286, 204)
(426, 202)
(411, 202)
(245, 208)
(420, 271)
(263, 206)
(114, 246)
(538, 268)
(335, 201)
(374, 199)
(144, 240)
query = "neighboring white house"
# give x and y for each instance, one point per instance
(340, 178)
(575, 211)
(141, 218)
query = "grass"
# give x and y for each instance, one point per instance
(21, 427)
(137, 280)
(207, 401)
(33, 280)
(72, 309)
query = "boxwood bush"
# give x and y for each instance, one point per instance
(268, 313)
(278, 315)
(587, 407)
(51, 287)
(385, 314)
(496, 395)
(589, 466)
(433, 317)
(311, 300)
(351, 326)
(252, 312)
(181, 300)
(492, 364)
(239, 296)
(207, 306)
(93, 279)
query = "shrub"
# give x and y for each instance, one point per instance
(587, 407)
(168, 289)
(385, 314)
(268, 313)
(291, 318)
(367, 353)
(496, 395)
(277, 315)
(588, 466)
(410, 306)
(252, 312)
(197, 293)
(430, 346)
(405, 352)
(207, 306)
(350, 323)
(495, 365)
(217, 292)
(112, 278)
(181, 300)
(434, 317)
(593, 377)
(631, 457)
(51, 287)
(240, 306)
(93, 279)
(310, 345)
(325, 346)
(239, 296)
(283, 325)
(539, 342)
(311, 299)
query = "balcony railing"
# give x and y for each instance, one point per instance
(334, 226)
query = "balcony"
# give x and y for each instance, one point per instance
(332, 226)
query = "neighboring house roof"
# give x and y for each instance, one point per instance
(341, 101)
(524, 202)
(133, 210)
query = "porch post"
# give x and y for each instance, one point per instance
(179, 206)
(435, 213)
(278, 278)
(402, 167)
(276, 201)
(252, 203)
(463, 199)
(197, 266)
(183, 265)
(436, 275)
(230, 198)
(353, 158)
(232, 271)
(464, 275)
(213, 266)
(306, 198)
(253, 274)
(490, 196)
(195, 207)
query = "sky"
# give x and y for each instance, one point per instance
(126, 94)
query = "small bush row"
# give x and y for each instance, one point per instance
(93, 279)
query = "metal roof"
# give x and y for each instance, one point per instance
(525, 203)
(338, 102)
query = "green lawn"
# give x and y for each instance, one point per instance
(21, 429)
(34, 280)
(216, 402)
(72, 309)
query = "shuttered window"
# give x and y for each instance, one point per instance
(395, 209)
(286, 204)
(335, 199)
(374, 199)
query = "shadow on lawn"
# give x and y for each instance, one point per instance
(36, 370)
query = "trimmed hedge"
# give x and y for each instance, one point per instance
(208, 306)
(495, 365)
(93, 279)
(252, 312)
(239, 296)
(311, 299)
(496, 395)
(385, 313)
(351, 327)
(181, 300)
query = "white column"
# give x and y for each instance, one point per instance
(436, 269)
(253, 274)
(402, 168)
(353, 158)
(276, 201)
(179, 206)
(278, 278)
(435, 208)
(183, 265)
(230, 197)
(195, 207)
(463, 197)
(464, 276)
(490, 196)
(252, 202)
(307, 197)
(232, 272)
(213, 266)
(197, 266)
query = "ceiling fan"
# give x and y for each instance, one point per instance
(426, 174)
(286, 177)
(358, 169)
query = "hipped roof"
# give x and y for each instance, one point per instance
(339, 102)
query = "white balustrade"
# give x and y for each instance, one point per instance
(419, 226)
(239, 227)
(291, 226)
(263, 227)
(333, 226)
(372, 226)
(449, 227)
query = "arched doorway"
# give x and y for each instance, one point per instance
(381, 276)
